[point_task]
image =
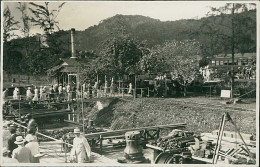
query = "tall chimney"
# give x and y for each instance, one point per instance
(73, 54)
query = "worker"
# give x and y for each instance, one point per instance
(80, 152)
(36, 95)
(5, 94)
(29, 94)
(16, 93)
(60, 90)
(33, 145)
(68, 92)
(41, 93)
(105, 88)
(32, 126)
(44, 93)
(130, 88)
(10, 143)
(21, 153)
(95, 87)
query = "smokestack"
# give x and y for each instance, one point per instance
(73, 54)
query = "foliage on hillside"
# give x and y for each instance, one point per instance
(152, 31)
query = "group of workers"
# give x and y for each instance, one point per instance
(59, 92)
(22, 149)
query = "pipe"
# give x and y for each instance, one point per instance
(73, 54)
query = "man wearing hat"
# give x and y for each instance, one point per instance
(80, 151)
(33, 146)
(21, 153)
(10, 143)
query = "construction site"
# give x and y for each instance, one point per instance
(124, 116)
(124, 129)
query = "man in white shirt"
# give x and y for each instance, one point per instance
(21, 153)
(29, 94)
(81, 151)
(33, 146)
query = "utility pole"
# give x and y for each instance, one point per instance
(82, 107)
(232, 50)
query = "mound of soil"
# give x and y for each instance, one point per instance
(157, 111)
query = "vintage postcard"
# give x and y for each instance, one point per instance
(129, 83)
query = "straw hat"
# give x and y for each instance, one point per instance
(77, 130)
(19, 140)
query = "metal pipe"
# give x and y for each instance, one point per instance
(73, 55)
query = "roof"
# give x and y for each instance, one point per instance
(70, 69)
(68, 65)
(237, 55)
(71, 62)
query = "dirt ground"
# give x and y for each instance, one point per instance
(200, 114)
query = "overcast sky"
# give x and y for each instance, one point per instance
(81, 15)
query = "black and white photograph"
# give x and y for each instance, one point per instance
(128, 83)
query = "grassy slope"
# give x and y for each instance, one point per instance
(156, 111)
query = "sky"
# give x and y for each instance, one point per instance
(83, 14)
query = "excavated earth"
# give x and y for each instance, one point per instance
(202, 115)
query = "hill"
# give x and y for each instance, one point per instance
(141, 28)
(153, 31)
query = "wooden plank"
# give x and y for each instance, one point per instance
(123, 131)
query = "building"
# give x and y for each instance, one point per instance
(68, 71)
(240, 60)
(220, 65)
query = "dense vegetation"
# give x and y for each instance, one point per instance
(137, 35)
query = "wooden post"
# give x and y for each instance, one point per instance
(165, 82)
(135, 88)
(101, 143)
(220, 134)
(82, 111)
(119, 86)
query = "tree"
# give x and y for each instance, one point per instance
(9, 24)
(25, 30)
(180, 59)
(46, 18)
(119, 57)
(235, 30)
